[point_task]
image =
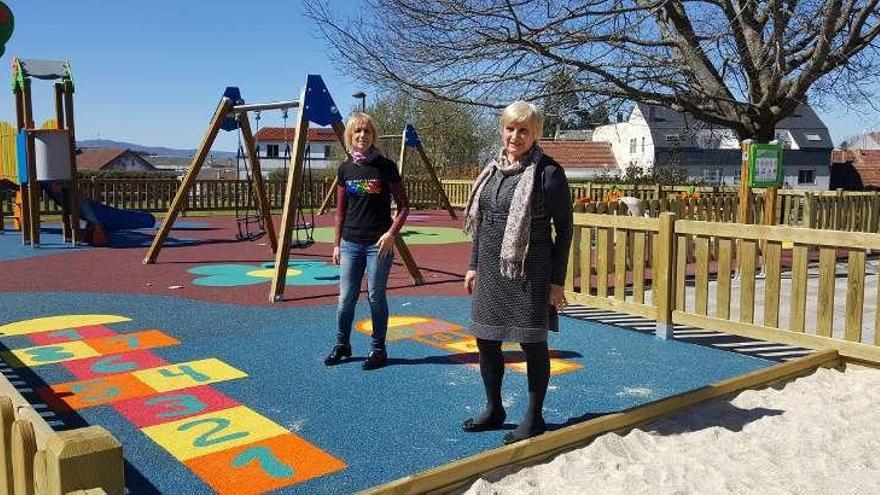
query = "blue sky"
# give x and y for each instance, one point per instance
(152, 72)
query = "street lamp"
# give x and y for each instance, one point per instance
(360, 95)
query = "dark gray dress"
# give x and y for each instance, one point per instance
(516, 310)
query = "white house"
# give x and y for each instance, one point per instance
(656, 136)
(274, 145)
(582, 160)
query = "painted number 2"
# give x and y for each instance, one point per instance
(266, 460)
(220, 424)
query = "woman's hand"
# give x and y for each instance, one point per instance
(335, 257)
(386, 244)
(557, 297)
(469, 278)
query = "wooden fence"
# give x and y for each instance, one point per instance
(828, 210)
(663, 268)
(36, 460)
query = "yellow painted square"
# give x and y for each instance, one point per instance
(213, 432)
(188, 374)
(51, 353)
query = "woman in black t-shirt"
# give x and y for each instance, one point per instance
(365, 235)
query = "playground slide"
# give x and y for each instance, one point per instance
(108, 217)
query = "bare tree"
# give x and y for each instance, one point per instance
(743, 64)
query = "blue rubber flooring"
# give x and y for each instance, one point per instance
(383, 424)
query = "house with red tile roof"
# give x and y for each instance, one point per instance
(581, 159)
(855, 169)
(275, 144)
(116, 159)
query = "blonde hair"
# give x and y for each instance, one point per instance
(521, 112)
(358, 119)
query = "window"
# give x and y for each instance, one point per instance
(672, 138)
(813, 137)
(643, 145)
(806, 176)
(271, 151)
(632, 146)
(712, 176)
(736, 176)
(326, 151)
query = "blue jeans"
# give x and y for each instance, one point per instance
(355, 258)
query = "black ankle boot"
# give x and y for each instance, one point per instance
(376, 359)
(339, 353)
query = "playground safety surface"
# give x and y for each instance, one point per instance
(209, 387)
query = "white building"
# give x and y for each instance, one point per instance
(656, 136)
(274, 145)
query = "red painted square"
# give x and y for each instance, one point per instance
(71, 334)
(172, 406)
(87, 393)
(125, 362)
(263, 466)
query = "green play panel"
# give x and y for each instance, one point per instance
(415, 234)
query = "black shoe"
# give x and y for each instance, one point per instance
(514, 437)
(376, 359)
(471, 424)
(339, 353)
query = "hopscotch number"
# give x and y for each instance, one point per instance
(109, 365)
(53, 353)
(131, 341)
(178, 405)
(267, 461)
(95, 391)
(185, 370)
(70, 334)
(204, 439)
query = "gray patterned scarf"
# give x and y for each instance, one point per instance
(515, 244)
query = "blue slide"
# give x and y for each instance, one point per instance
(108, 217)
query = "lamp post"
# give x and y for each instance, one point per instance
(360, 95)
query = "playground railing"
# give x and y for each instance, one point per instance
(822, 273)
(35, 459)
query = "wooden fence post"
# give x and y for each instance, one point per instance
(663, 285)
(83, 459)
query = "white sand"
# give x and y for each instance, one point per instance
(817, 434)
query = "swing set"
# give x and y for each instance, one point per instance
(315, 106)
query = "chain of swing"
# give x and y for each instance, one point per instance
(250, 222)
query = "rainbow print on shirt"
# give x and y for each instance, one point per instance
(361, 187)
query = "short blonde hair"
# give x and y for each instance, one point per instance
(520, 112)
(359, 119)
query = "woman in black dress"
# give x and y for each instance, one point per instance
(517, 268)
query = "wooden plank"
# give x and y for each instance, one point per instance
(586, 258)
(444, 199)
(257, 176)
(449, 476)
(772, 283)
(701, 250)
(816, 237)
(722, 291)
(681, 256)
(638, 272)
(825, 303)
(855, 296)
(849, 350)
(747, 256)
(663, 288)
(616, 221)
(620, 244)
(798, 288)
(573, 259)
(24, 446)
(7, 417)
(603, 262)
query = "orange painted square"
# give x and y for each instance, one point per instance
(105, 390)
(306, 461)
(147, 339)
